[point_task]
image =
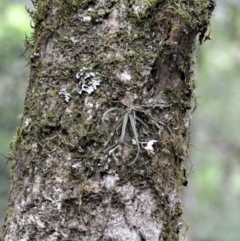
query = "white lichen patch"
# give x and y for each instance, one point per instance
(88, 80)
(86, 19)
(35, 55)
(140, 7)
(34, 146)
(67, 96)
(73, 39)
(137, 8)
(124, 76)
(149, 147)
(110, 181)
(27, 122)
(91, 10)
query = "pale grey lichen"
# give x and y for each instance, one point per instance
(148, 145)
(88, 80)
(34, 56)
(86, 19)
(27, 122)
(124, 76)
(137, 8)
(34, 146)
(73, 39)
(141, 7)
(67, 96)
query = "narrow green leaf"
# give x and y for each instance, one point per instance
(125, 121)
(105, 114)
(133, 125)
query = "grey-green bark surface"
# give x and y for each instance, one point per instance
(100, 149)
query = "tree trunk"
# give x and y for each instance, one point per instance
(100, 149)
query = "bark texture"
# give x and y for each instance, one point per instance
(100, 149)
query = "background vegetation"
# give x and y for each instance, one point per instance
(212, 207)
(14, 23)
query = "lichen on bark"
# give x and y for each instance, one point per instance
(64, 186)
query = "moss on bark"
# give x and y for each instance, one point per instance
(63, 182)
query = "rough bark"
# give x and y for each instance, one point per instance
(106, 79)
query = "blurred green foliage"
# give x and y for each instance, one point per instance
(212, 203)
(14, 24)
(212, 199)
